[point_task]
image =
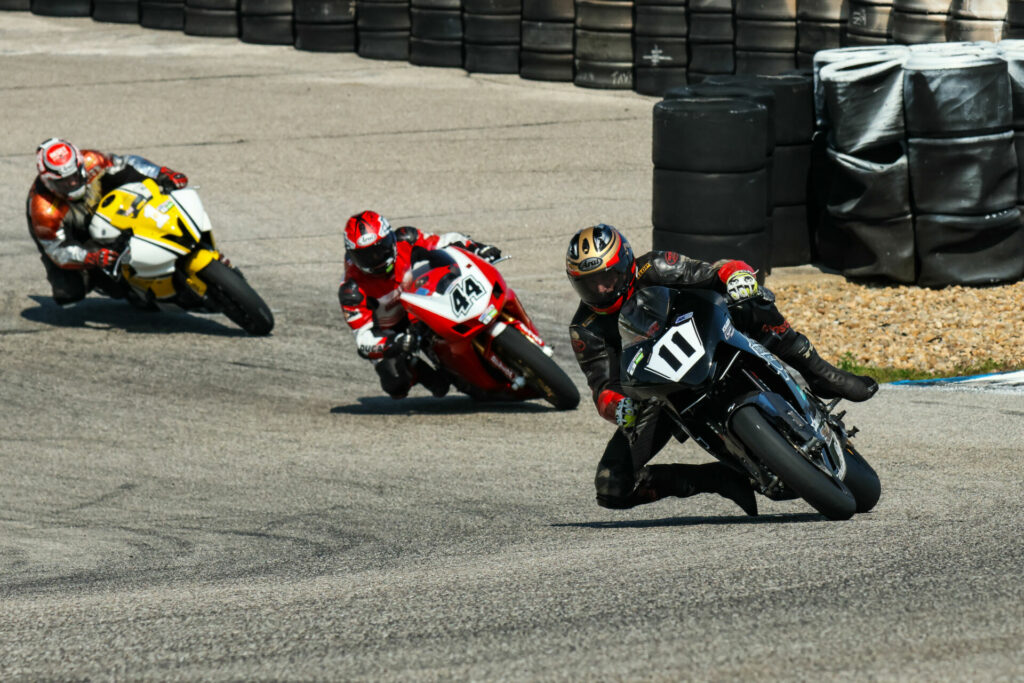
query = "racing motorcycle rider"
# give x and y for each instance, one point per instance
(61, 203)
(376, 259)
(604, 273)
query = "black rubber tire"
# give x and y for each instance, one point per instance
(712, 59)
(868, 20)
(321, 37)
(791, 172)
(324, 11)
(491, 29)
(869, 187)
(754, 93)
(424, 52)
(15, 5)
(549, 10)
(822, 10)
(547, 36)
(992, 10)
(770, 10)
(973, 30)
(167, 16)
(660, 20)
(1015, 14)
(911, 28)
(922, 6)
(754, 248)
(383, 16)
(604, 46)
(710, 203)
(876, 249)
(707, 135)
(491, 59)
(221, 23)
(862, 480)
(791, 236)
(969, 250)
(213, 4)
(854, 39)
(711, 6)
(492, 6)
(265, 7)
(237, 299)
(750, 62)
(605, 15)
(813, 36)
(546, 66)
(541, 372)
(390, 45)
(604, 75)
(760, 35)
(657, 81)
(711, 28)
(437, 4)
(827, 496)
(934, 93)
(794, 103)
(117, 12)
(660, 52)
(62, 8)
(269, 29)
(435, 24)
(963, 176)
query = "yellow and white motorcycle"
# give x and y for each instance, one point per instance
(168, 255)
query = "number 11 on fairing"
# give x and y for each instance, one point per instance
(677, 351)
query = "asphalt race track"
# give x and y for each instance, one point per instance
(180, 501)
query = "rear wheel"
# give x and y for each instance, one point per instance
(236, 299)
(541, 372)
(825, 494)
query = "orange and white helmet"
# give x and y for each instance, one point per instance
(61, 167)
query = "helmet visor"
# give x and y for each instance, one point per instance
(72, 186)
(604, 287)
(377, 258)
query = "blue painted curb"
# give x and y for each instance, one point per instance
(1012, 379)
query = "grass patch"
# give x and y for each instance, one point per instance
(883, 375)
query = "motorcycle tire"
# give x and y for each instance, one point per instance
(541, 372)
(826, 495)
(862, 480)
(236, 299)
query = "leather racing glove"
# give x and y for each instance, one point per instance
(101, 258)
(740, 282)
(172, 180)
(487, 252)
(625, 414)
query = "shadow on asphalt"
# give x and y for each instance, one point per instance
(425, 405)
(101, 313)
(799, 518)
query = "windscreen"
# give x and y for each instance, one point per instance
(426, 261)
(644, 316)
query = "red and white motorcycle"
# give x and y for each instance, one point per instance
(479, 332)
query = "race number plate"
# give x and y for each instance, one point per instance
(677, 351)
(464, 293)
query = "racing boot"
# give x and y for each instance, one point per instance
(436, 381)
(684, 481)
(825, 380)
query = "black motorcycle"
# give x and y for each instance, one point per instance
(682, 354)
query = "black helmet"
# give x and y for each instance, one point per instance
(600, 266)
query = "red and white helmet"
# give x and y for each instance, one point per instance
(370, 243)
(62, 168)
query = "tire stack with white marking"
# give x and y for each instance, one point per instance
(765, 36)
(711, 186)
(436, 35)
(821, 25)
(604, 44)
(266, 22)
(711, 39)
(382, 28)
(546, 40)
(211, 18)
(919, 21)
(972, 20)
(871, 226)
(325, 25)
(492, 35)
(869, 23)
(963, 167)
(659, 45)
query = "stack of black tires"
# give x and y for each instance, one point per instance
(168, 15)
(710, 193)
(266, 22)
(712, 39)
(973, 20)
(604, 44)
(492, 35)
(325, 25)
(919, 21)
(211, 18)
(546, 41)
(1014, 19)
(821, 25)
(765, 36)
(436, 35)
(116, 11)
(869, 23)
(963, 168)
(659, 45)
(383, 28)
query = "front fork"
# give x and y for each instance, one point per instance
(518, 319)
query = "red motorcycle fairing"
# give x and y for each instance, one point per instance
(466, 302)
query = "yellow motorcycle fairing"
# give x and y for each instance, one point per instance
(162, 232)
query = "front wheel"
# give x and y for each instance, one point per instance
(238, 301)
(826, 495)
(861, 479)
(542, 373)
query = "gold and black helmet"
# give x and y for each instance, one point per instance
(600, 266)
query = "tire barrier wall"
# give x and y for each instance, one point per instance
(325, 25)
(382, 29)
(436, 36)
(711, 187)
(660, 54)
(604, 44)
(546, 40)
(492, 36)
(922, 168)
